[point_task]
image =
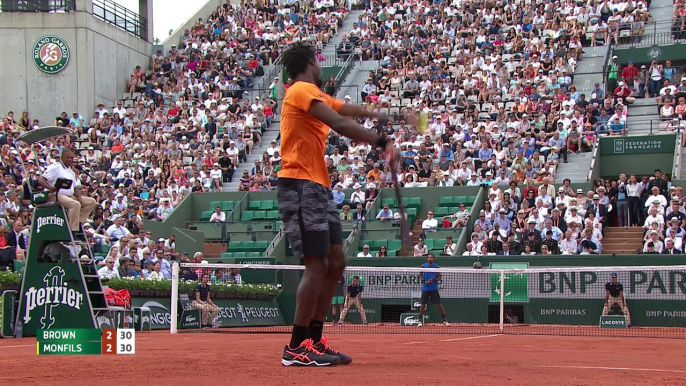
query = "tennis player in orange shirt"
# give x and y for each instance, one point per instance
(310, 217)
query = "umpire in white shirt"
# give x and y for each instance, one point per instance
(78, 207)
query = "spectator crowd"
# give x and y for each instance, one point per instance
(184, 126)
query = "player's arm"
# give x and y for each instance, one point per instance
(342, 125)
(421, 276)
(607, 295)
(353, 110)
(621, 296)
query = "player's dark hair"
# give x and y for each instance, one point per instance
(297, 58)
(356, 277)
(431, 255)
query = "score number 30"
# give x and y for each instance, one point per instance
(126, 341)
(121, 340)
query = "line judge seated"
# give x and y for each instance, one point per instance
(78, 207)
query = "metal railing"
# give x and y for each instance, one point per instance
(662, 38)
(676, 167)
(655, 126)
(654, 33)
(594, 159)
(121, 17)
(47, 6)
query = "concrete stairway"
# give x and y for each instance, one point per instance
(642, 116)
(330, 48)
(588, 72)
(661, 12)
(577, 168)
(589, 69)
(622, 240)
(271, 134)
(358, 77)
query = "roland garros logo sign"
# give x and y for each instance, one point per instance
(51, 54)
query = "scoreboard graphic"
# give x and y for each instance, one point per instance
(108, 341)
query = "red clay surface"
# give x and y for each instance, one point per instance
(254, 359)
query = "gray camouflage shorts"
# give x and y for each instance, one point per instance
(311, 220)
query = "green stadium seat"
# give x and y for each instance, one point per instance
(438, 244)
(278, 225)
(239, 254)
(453, 209)
(247, 215)
(226, 255)
(429, 244)
(247, 246)
(379, 243)
(469, 200)
(390, 202)
(254, 205)
(445, 201)
(414, 202)
(214, 205)
(394, 245)
(272, 215)
(228, 205)
(440, 212)
(267, 205)
(259, 215)
(205, 215)
(366, 242)
(106, 248)
(392, 253)
(253, 254)
(457, 200)
(234, 246)
(260, 246)
(411, 215)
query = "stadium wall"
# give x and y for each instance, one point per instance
(102, 57)
(639, 155)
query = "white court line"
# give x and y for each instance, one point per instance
(23, 345)
(615, 368)
(471, 337)
(413, 343)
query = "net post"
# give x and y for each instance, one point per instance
(502, 301)
(173, 328)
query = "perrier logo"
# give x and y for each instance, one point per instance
(51, 54)
(53, 294)
(49, 220)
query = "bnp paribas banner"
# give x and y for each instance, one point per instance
(521, 286)
(232, 312)
(654, 297)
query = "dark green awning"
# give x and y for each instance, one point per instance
(42, 134)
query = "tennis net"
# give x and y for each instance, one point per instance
(508, 299)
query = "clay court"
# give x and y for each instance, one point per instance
(380, 359)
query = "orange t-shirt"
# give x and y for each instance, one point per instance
(303, 136)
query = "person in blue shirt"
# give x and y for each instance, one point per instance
(430, 290)
(447, 152)
(338, 196)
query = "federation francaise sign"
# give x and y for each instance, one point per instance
(51, 54)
